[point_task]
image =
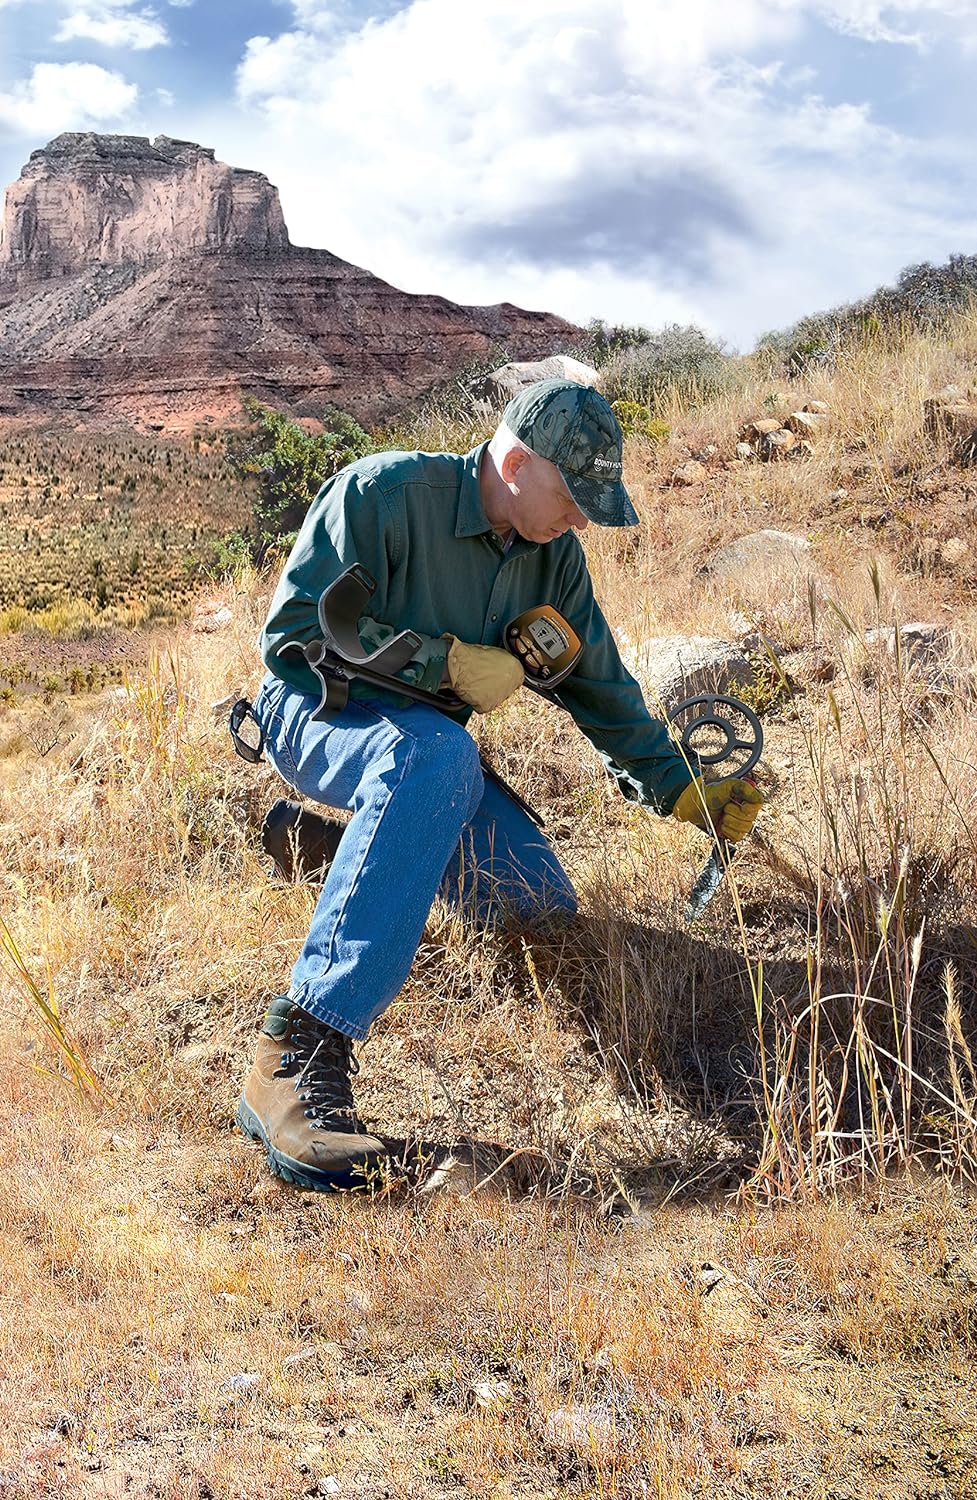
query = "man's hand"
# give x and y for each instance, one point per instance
(728, 808)
(483, 676)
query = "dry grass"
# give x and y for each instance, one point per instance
(784, 1094)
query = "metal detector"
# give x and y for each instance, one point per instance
(720, 737)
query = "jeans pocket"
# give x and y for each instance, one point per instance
(270, 709)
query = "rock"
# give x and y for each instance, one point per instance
(728, 1303)
(776, 444)
(745, 450)
(954, 550)
(805, 424)
(223, 706)
(328, 1486)
(692, 472)
(242, 1384)
(926, 653)
(818, 408)
(837, 495)
(491, 1394)
(951, 415)
(670, 668)
(116, 251)
(706, 455)
(508, 380)
(760, 427)
(579, 1427)
(805, 668)
(760, 551)
(107, 200)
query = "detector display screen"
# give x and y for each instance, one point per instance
(545, 643)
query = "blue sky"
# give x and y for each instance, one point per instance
(734, 163)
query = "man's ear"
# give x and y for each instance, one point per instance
(513, 460)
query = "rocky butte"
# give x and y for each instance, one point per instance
(145, 282)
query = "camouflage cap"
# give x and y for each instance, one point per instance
(573, 426)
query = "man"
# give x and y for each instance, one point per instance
(458, 545)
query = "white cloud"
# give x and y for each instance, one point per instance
(65, 96)
(645, 159)
(166, 97)
(894, 20)
(112, 23)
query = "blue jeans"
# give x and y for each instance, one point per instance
(424, 820)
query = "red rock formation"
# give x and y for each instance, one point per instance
(146, 282)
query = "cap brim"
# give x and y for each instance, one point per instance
(604, 504)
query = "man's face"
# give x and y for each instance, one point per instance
(541, 507)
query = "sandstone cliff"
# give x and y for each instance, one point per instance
(144, 281)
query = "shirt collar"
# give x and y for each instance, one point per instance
(471, 519)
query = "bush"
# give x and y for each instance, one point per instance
(923, 298)
(636, 421)
(605, 340)
(290, 465)
(674, 361)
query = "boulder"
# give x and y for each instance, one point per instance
(926, 651)
(760, 551)
(672, 667)
(508, 380)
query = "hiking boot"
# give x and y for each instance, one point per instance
(302, 844)
(298, 1101)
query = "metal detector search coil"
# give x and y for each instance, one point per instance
(720, 737)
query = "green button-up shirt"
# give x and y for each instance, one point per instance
(415, 521)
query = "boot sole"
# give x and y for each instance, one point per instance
(299, 1172)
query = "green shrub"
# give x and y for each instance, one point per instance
(290, 465)
(674, 361)
(636, 421)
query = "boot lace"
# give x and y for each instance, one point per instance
(322, 1063)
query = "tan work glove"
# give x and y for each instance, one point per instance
(728, 808)
(483, 676)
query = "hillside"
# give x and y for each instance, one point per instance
(144, 284)
(685, 1210)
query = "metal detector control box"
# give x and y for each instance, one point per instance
(545, 643)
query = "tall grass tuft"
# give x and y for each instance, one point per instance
(43, 1004)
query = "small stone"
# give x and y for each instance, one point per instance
(954, 550)
(775, 444)
(805, 423)
(838, 495)
(491, 1393)
(818, 408)
(761, 427)
(745, 450)
(329, 1485)
(223, 706)
(692, 472)
(243, 1383)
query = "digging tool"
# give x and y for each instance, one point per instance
(721, 734)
